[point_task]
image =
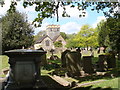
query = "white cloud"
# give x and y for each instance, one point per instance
(70, 27)
(98, 20)
(25, 10)
(43, 27)
(19, 7)
(73, 12)
(5, 7)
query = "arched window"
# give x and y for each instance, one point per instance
(47, 42)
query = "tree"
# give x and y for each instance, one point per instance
(63, 34)
(71, 43)
(114, 33)
(39, 35)
(50, 9)
(87, 37)
(103, 31)
(16, 31)
(109, 32)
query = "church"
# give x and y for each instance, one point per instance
(52, 35)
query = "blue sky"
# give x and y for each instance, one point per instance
(68, 25)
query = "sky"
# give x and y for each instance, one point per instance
(67, 25)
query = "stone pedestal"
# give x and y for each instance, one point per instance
(24, 68)
(87, 64)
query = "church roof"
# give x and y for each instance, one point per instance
(54, 39)
(42, 38)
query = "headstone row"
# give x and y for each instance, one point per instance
(71, 60)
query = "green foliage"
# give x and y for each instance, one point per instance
(58, 44)
(71, 43)
(86, 37)
(16, 31)
(103, 30)
(39, 35)
(63, 34)
(109, 33)
(114, 32)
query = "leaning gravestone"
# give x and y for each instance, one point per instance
(73, 63)
(63, 58)
(87, 64)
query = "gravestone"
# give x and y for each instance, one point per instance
(63, 58)
(24, 68)
(102, 63)
(87, 64)
(73, 63)
(44, 60)
(111, 60)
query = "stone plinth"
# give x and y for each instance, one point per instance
(24, 68)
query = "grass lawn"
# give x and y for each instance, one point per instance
(3, 62)
(112, 83)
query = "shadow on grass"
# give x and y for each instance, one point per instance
(52, 84)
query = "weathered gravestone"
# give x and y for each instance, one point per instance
(111, 60)
(87, 64)
(24, 69)
(73, 63)
(63, 58)
(102, 63)
(43, 60)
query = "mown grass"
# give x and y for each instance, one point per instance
(112, 83)
(3, 62)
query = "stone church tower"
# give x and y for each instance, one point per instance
(53, 31)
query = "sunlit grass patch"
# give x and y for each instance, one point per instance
(112, 83)
(3, 61)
